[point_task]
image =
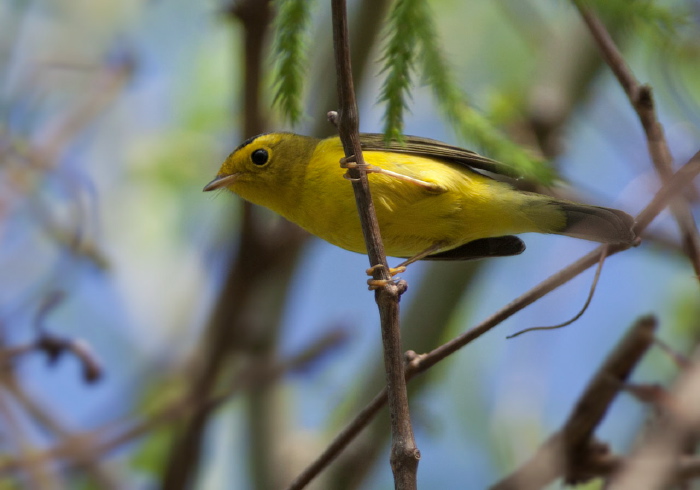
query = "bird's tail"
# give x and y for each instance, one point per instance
(596, 223)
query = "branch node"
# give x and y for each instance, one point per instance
(333, 118)
(645, 98)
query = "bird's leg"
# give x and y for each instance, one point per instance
(349, 162)
(378, 283)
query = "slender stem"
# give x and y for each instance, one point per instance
(569, 449)
(654, 462)
(642, 100)
(404, 453)
(424, 362)
(103, 440)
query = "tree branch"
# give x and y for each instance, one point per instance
(567, 452)
(642, 100)
(404, 453)
(262, 268)
(53, 346)
(418, 364)
(108, 438)
(655, 462)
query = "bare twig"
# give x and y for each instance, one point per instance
(111, 437)
(433, 305)
(421, 363)
(675, 185)
(83, 455)
(602, 463)
(642, 100)
(54, 346)
(655, 462)
(404, 453)
(580, 313)
(683, 468)
(566, 452)
(680, 360)
(38, 473)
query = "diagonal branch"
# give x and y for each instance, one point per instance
(567, 451)
(655, 462)
(642, 100)
(418, 364)
(114, 435)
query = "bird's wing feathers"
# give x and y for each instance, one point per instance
(428, 148)
(501, 246)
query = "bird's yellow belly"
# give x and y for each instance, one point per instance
(412, 219)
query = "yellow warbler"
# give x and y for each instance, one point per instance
(432, 199)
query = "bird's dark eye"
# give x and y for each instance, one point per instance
(259, 157)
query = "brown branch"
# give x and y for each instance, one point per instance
(599, 462)
(433, 304)
(111, 437)
(233, 328)
(566, 452)
(682, 468)
(404, 453)
(85, 459)
(418, 364)
(654, 463)
(53, 346)
(675, 185)
(642, 100)
(39, 474)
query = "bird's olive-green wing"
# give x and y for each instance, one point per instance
(428, 148)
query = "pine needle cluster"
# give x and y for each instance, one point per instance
(412, 50)
(290, 53)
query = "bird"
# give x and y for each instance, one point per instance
(433, 201)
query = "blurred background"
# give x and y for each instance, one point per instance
(231, 346)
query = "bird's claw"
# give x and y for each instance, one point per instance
(375, 284)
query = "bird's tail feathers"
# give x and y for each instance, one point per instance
(598, 224)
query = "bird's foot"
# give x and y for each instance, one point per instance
(380, 283)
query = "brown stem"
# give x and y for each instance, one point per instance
(39, 474)
(108, 438)
(83, 455)
(642, 100)
(654, 463)
(422, 363)
(566, 451)
(404, 453)
(262, 259)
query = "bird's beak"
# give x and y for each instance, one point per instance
(219, 182)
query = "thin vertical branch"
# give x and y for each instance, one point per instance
(419, 364)
(262, 267)
(642, 100)
(404, 453)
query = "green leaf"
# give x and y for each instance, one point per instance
(399, 58)
(290, 46)
(413, 40)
